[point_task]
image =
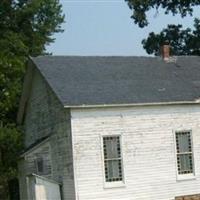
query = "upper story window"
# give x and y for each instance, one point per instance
(184, 153)
(112, 158)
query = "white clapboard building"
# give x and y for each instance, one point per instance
(111, 128)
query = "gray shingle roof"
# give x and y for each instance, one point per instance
(120, 80)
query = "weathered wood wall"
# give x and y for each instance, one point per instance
(45, 116)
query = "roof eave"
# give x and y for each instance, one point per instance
(34, 147)
(134, 104)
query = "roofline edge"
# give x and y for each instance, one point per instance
(135, 104)
(46, 139)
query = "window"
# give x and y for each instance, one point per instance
(112, 158)
(184, 152)
(39, 165)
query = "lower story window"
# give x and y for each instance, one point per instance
(112, 158)
(184, 152)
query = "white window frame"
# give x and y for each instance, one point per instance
(113, 184)
(189, 176)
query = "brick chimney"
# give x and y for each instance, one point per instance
(166, 52)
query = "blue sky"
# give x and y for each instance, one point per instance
(104, 27)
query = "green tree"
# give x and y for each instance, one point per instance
(182, 41)
(11, 144)
(26, 27)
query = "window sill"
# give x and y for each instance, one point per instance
(186, 177)
(119, 184)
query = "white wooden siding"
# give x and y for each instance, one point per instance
(148, 145)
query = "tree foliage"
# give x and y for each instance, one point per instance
(26, 27)
(10, 145)
(140, 8)
(182, 41)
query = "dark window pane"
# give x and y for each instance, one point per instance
(185, 163)
(112, 147)
(40, 165)
(114, 172)
(183, 142)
